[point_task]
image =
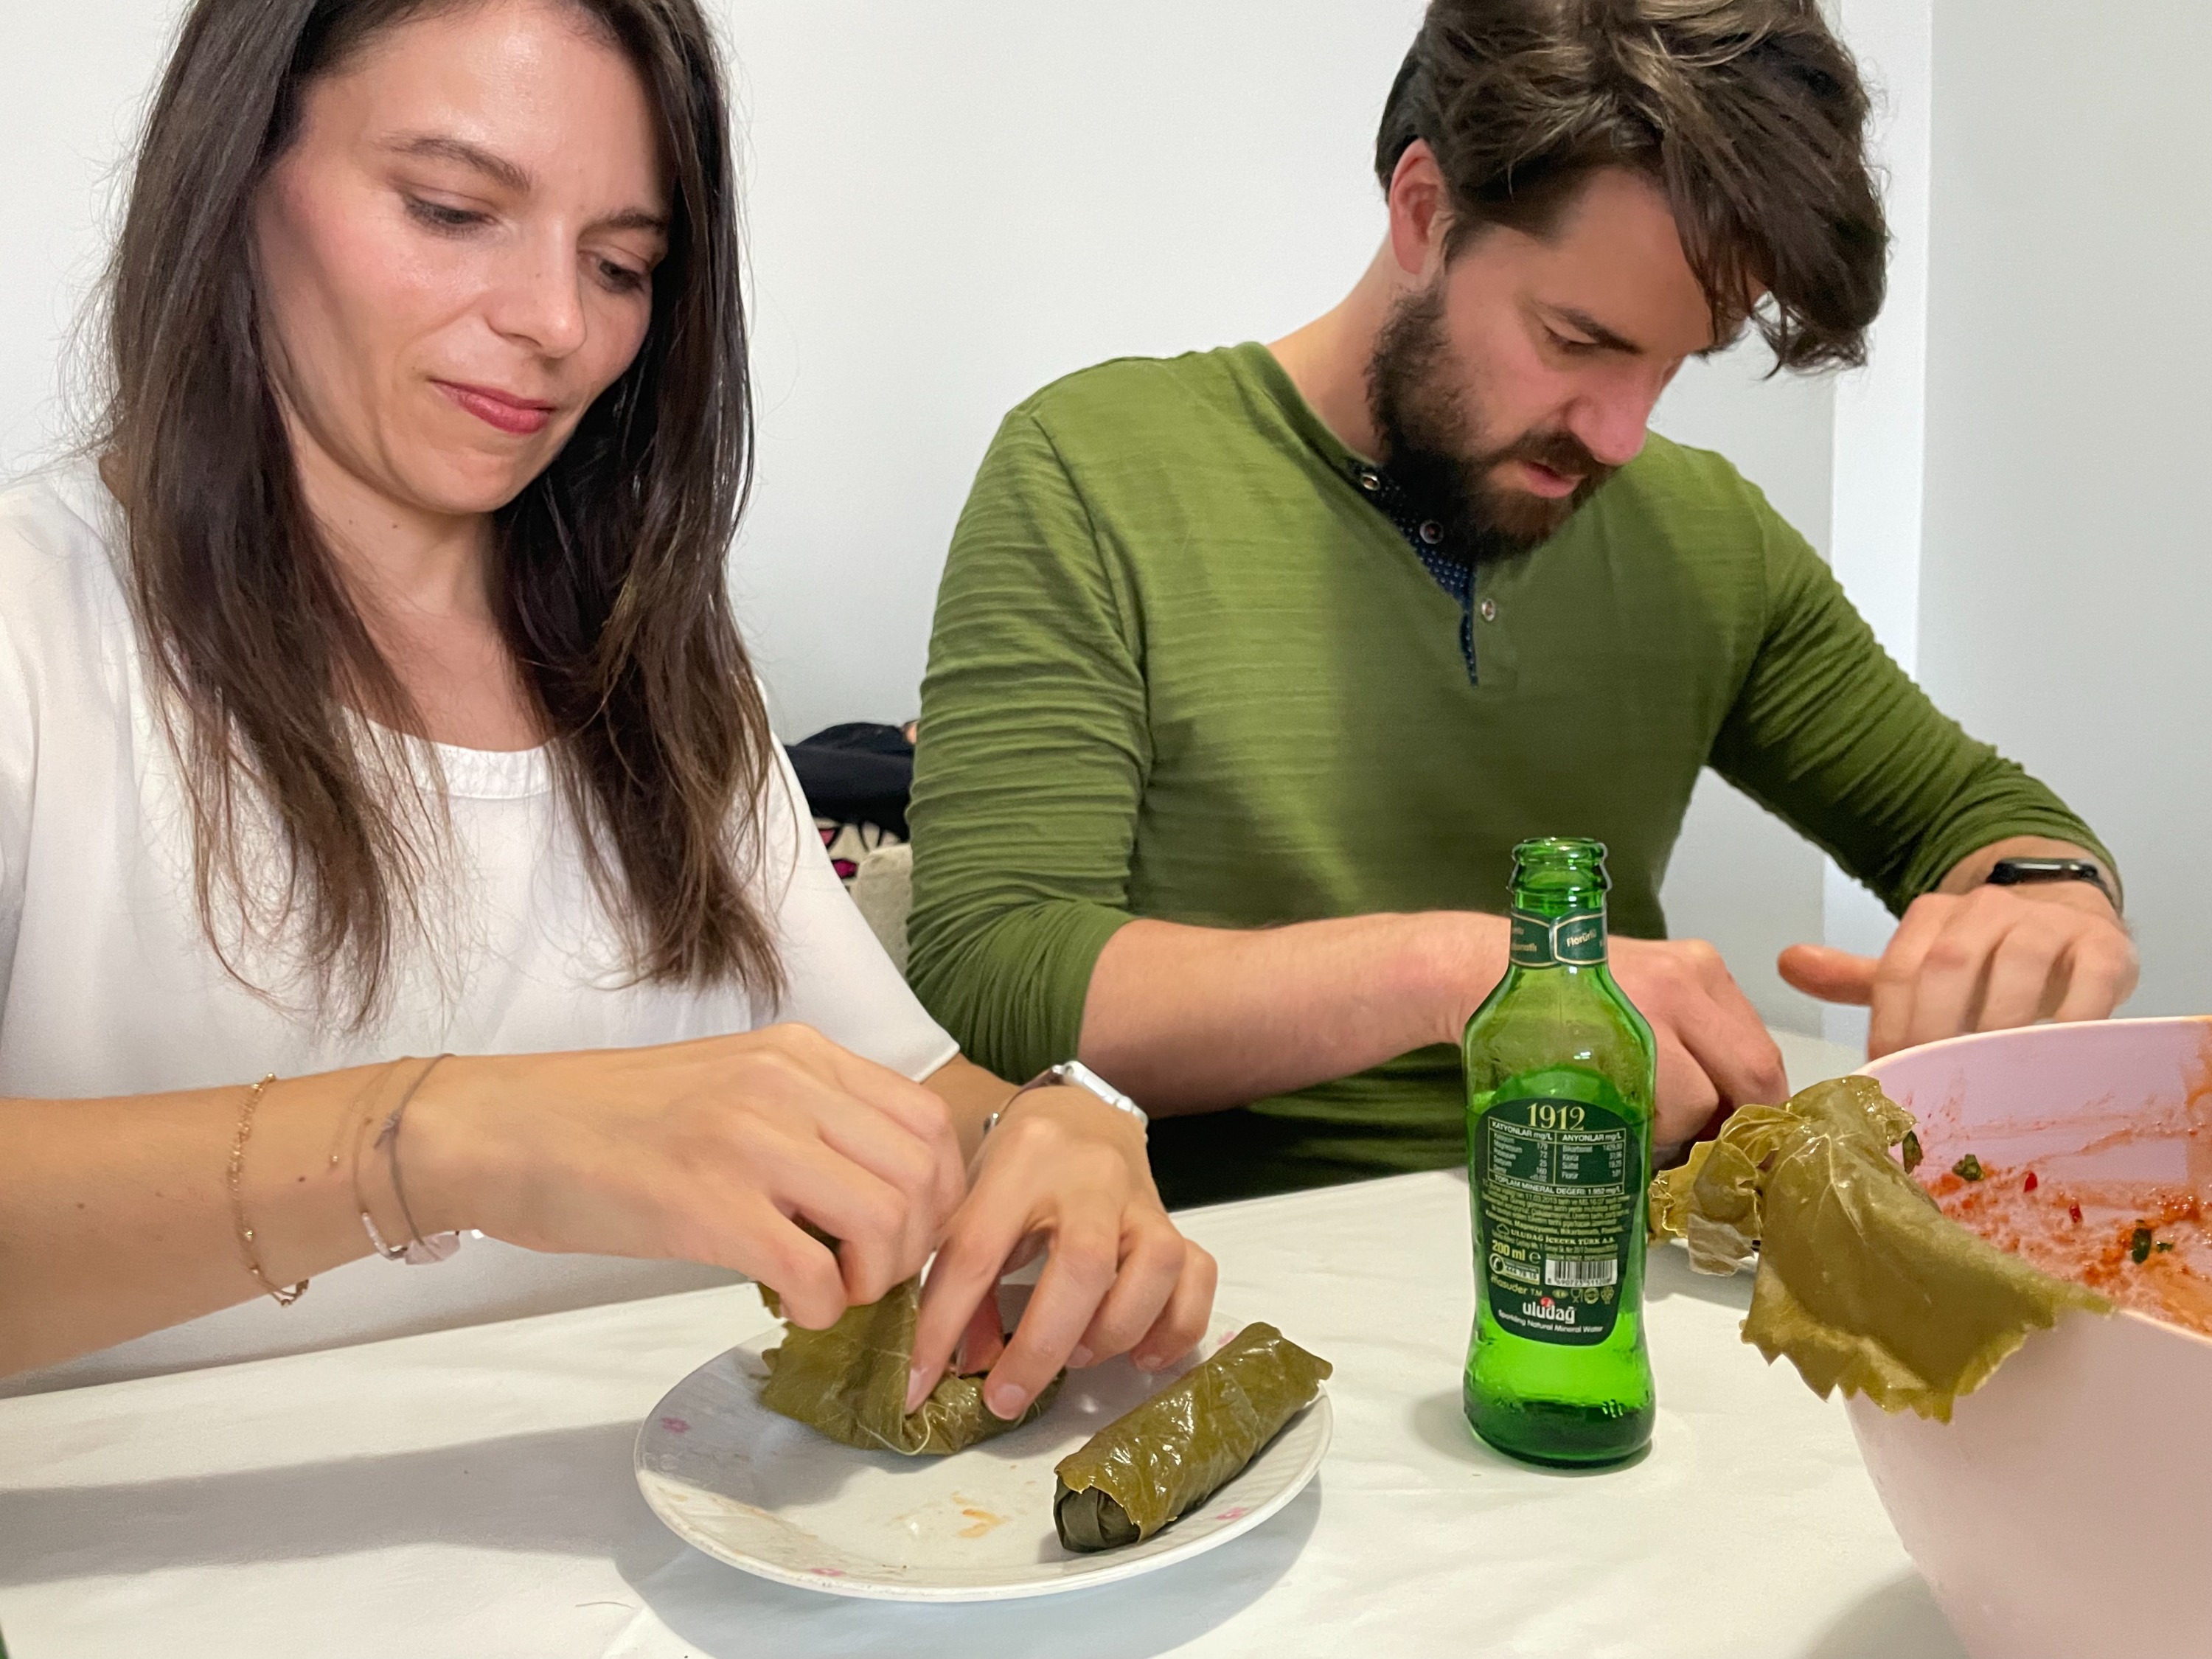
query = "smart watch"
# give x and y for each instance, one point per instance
(1073, 1074)
(2015, 872)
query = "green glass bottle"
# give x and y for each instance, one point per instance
(1560, 1072)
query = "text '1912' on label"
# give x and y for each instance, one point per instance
(1559, 1195)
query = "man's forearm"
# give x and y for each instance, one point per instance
(1194, 1020)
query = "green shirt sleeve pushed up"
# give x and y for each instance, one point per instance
(1033, 756)
(1831, 735)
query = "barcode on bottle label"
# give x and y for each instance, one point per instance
(1572, 1273)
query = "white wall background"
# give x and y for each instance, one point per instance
(2067, 589)
(1740, 877)
(73, 79)
(951, 203)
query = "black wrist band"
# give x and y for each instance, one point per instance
(2017, 872)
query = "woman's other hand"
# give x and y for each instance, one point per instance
(1064, 1172)
(726, 1151)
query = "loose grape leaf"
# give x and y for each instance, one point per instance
(1863, 1282)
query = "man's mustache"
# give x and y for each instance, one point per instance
(1558, 452)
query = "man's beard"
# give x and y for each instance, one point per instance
(1434, 444)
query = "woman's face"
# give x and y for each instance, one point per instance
(456, 253)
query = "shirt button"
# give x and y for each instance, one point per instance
(1432, 533)
(1370, 482)
(1489, 609)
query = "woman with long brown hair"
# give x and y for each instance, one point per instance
(372, 691)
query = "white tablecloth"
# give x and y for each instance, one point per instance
(468, 1492)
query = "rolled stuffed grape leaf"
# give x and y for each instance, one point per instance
(849, 1383)
(1863, 1282)
(1154, 1464)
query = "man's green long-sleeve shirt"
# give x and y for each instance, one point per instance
(1184, 669)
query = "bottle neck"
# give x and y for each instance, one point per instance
(1558, 929)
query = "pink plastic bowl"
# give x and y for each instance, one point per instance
(2057, 1515)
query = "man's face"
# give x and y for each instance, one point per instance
(1523, 374)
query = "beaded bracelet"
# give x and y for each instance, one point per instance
(284, 1295)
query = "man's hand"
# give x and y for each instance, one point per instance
(1984, 960)
(1714, 1050)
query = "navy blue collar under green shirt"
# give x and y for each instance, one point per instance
(1430, 541)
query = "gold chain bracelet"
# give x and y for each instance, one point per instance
(285, 1296)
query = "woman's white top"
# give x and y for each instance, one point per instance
(108, 984)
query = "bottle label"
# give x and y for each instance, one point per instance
(1558, 1200)
(1576, 941)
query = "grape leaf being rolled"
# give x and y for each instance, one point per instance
(849, 1383)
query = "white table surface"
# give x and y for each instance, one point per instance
(468, 1492)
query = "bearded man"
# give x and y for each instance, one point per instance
(1251, 667)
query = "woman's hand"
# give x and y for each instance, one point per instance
(724, 1151)
(1065, 1171)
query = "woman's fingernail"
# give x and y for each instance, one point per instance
(1079, 1358)
(917, 1388)
(1004, 1401)
(1146, 1363)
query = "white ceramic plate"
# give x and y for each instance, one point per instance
(763, 1493)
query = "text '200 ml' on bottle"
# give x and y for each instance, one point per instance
(1560, 1075)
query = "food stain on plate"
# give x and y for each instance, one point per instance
(980, 1522)
(969, 1519)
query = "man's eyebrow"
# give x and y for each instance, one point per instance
(1598, 333)
(439, 147)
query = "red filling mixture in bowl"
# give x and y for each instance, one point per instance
(2141, 1244)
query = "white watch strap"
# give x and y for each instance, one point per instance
(1074, 1074)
